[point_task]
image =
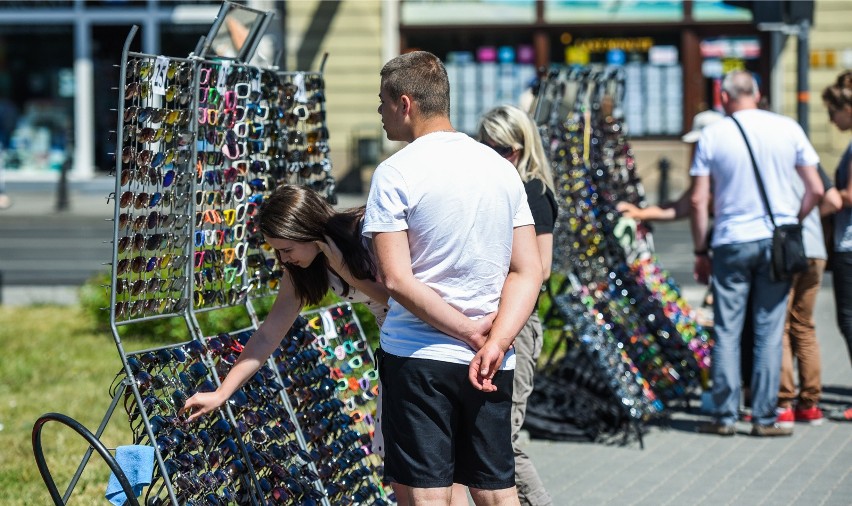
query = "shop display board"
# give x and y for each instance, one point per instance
(197, 161)
(646, 340)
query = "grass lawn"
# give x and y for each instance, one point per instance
(54, 359)
(63, 359)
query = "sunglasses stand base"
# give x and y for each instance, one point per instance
(95, 445)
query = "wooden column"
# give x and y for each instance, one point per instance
(694, 97)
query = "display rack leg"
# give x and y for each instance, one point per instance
(89, 451)
(638, 428)
(95, 445)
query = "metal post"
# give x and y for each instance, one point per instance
(62, 186)
(802, 62)
(663, 188)
(84, 98)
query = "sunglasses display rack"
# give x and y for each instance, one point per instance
(270, 131)
(344, 361)
(154, 181)
(200, 144)
(196, 163)
(608, 269)
(298, 432)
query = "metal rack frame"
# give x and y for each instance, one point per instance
(128, 387)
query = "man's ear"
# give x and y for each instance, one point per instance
(406, 104)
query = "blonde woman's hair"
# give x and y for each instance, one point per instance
(509, 126)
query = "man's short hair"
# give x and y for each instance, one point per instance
(421, 76)
(740, 84)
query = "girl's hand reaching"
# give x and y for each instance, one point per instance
(200, 404)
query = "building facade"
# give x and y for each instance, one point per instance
(58, 66)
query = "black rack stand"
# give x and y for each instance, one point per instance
(609, 298)
(96, 445)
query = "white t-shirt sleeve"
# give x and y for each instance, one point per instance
(523, 215)
(805, 152)
(387, 203)
(700, 166)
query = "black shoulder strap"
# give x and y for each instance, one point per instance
(756, 173)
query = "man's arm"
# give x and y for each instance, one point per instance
(517, 301)
(846, 193)
(668, 211)
(699, 199)
(393, 258)
(663, 212)
(814, 189)
(831, 202)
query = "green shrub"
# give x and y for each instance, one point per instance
(550, 321)
(95, 299)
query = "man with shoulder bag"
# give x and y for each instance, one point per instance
(750, 160)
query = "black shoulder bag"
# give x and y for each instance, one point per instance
(788, 248)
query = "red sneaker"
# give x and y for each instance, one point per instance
(812, 415)
(785, 417)
(842, 416)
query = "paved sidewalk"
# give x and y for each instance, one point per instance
(681, 467)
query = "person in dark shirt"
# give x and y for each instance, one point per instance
(512, 133)
(838, 101)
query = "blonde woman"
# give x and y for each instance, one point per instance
(511, 132)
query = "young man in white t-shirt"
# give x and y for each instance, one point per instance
(452, 233)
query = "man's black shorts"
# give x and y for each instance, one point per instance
(439, 430)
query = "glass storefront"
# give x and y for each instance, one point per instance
(724, 54)
(38, 85)
(36, 91)
(655, 42)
